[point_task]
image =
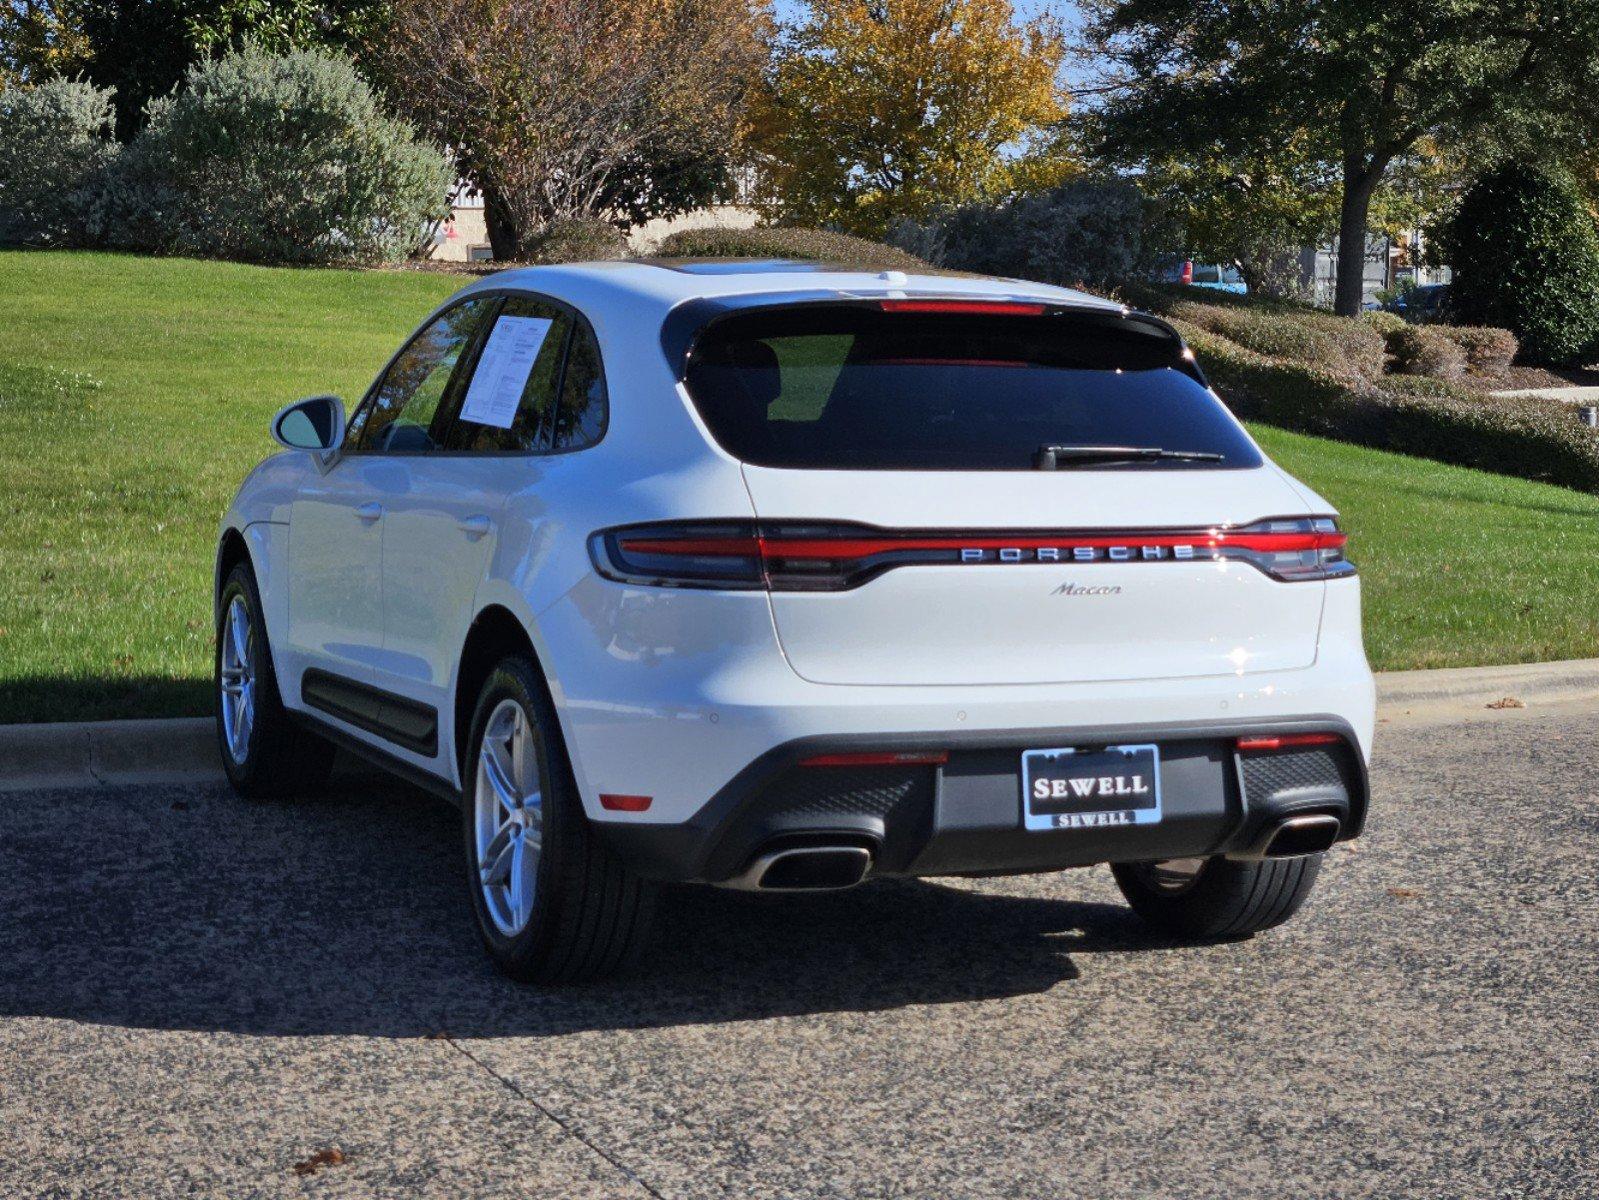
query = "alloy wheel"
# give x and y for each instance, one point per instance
(508, 817)
(237, 679)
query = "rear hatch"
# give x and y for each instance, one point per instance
(954, 492)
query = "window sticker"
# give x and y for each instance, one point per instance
(502, 370)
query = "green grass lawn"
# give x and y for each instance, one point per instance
(134, 395)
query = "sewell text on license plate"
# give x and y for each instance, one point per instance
(1091, 788)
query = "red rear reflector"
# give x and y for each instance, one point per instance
(1284, 740)
(625, 803)
(986, 308)
(877, 758)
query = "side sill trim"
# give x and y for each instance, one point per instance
(379, 757)
(407, 723)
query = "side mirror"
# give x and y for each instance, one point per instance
(315, 424)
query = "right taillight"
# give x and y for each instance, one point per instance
(1291, 549)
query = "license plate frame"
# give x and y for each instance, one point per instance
(1133, 774)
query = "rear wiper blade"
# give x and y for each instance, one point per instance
(1049, 457)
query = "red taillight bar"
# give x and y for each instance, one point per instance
(878, 758)
(987, 308)
(835, 548)
(1282, 741)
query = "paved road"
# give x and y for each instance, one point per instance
(197, 994)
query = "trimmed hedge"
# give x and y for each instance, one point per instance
(1301, 334)
(1489, 351)
(1426, 350)
(1522, 436)
(577, 239)
(1385, 323)
(815, 245)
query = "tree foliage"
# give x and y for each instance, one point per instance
(875, 111)
(1357, 84)
(1526, 257)
(41, 39)
(577, 108)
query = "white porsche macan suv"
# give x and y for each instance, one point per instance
(782, 576)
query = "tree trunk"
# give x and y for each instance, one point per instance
(1359, 184)
(505, 234)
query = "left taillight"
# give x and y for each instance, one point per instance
(722, 554)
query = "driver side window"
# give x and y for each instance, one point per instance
(402, 414)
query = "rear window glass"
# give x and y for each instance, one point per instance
(857, 388)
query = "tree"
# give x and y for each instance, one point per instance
(143, 49)
(624, 109)
(877, 111)
(1361, 83)
(41, 39)
(1526, 257)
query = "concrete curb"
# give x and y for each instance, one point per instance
(1530, 683)
(95, 753)
(102, 753)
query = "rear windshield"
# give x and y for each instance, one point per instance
(857, 388)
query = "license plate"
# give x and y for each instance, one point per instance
(1091, 789)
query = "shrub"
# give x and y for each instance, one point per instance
(1526, 257)
(1489, 351)
(277, 159)
(576, 239)
(1084, 233)
(55, 146)
(818, 245)
(1426, 350)
(1301, 334)
(1522, 436)
(1385, 323)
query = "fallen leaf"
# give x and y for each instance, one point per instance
(1507, 702)
(332, 1156)
(1403, 893)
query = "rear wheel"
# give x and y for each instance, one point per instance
(263, 752)
(1217, 897)
(553, 904)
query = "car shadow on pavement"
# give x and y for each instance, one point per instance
(188, 908)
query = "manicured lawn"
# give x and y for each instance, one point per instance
(1459, 568)
(134, 394)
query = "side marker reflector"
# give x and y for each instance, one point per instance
(625, 803)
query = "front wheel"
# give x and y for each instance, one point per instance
(1217, 897)
(263, 752)
(553, 904)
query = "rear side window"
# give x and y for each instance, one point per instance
(860, 388)
(537, 384)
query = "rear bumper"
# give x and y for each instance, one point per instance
(965, 816)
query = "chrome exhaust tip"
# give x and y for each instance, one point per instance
(1293, 837)
(805, 869)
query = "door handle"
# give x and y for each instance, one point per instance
(370, 512)
(474, 527)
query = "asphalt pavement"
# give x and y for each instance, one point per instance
(205, 997)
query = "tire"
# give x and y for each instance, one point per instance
(271, 756)
(554, 905)
(1224, 899)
